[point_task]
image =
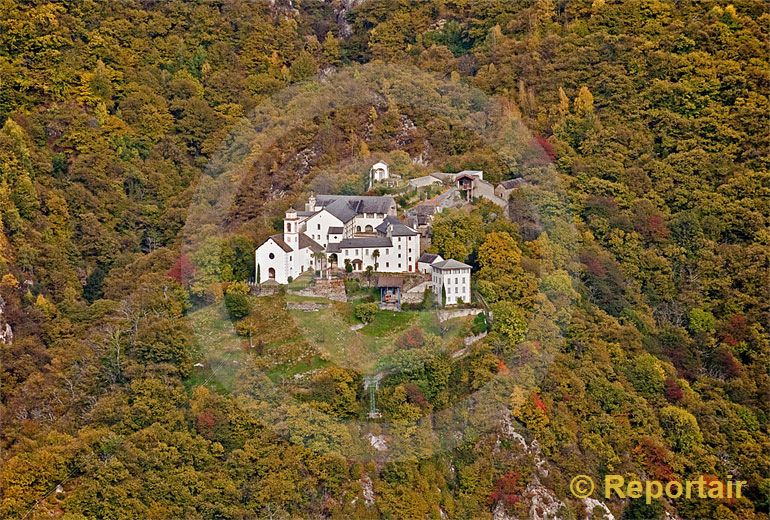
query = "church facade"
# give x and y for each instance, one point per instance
(342, 231)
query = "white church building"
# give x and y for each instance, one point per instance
(337, 230)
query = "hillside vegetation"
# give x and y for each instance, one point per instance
(147, 147)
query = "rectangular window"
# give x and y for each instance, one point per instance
(319, 227)
(387, 264)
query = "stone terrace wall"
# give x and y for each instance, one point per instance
(322, 288)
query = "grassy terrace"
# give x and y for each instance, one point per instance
(221, 351)
(290, 342)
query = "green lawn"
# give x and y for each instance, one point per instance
(291, 342)
(450, 329)
(303, 281)
(290, 370)
(360, 290)
(389, 322)
(220, 350)
(328, 330)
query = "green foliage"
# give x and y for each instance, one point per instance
(165, 341)
(366, 311)
(479, 323)
(639, 509)
(455, 234)
(509, 321)
(701, 322)
(304, 67)
(681, 428)
(238, 305)
(501, 277)
(647, 375)
(644, 213)
(335, 391)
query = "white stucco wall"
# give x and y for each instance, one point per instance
(279, 262)
(291, 232)
(380, 171)
(457, 283)
(425, 267)
(400, 257)
(317, 227)
(371, 219)
(303, 261)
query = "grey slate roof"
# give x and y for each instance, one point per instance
(400, 230)
(278, 239)
(348, 243)
(306, 241)
(450, 264)
(512, 183)
(426, 208)
(336, 230)
(397, 228)
(428, 258)
(389, 280)
(345, 207)
(383, 226)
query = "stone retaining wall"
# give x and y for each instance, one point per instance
(322, 288)
(445, 314)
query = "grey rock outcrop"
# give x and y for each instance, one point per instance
(6, 332)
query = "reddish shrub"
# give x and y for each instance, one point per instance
(734, 330)
(674, 392)
(593, 264)
(539, 404)
(655, 459)
(415, 396)
(205, 422)
(546, 146)
(657, 228)
(730, 366)
(182, 271)
(412, 338)
(507, 490)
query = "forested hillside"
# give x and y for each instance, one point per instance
(147, 147)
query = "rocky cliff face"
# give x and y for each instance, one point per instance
(6, 333)
(341, 9)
